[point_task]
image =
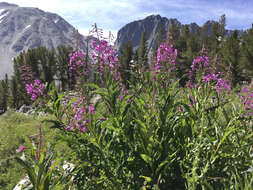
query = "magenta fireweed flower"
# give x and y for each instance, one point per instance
(77, 65)
(120, 98)
(36, 82)
(165, 60)
(35, 89)
(79, 115)
(245, 89)
(104, 57)
(222, 85)
(20, 149)
(166, 53)
(200, 67)
(246, 97)
(199, 63)
(189, 84)
(91, 109)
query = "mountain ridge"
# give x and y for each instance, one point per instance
(23, 28)
(150, 24)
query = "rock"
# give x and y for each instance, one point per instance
(96, 98)
(25, 109)
(23, 184)
(68, 167)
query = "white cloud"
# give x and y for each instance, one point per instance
(85, 32)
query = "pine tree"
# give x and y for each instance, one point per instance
(204, 36)
(214, 37)
(62, 62)
(4, 94)
(46, 59)
(247, 51)
(185, 54)
(1, 97)
(125, 63)
(22, 97)
(222, 25)
(184, 38)
(175, 33)
(14, 92)
(231, 57)
(143, 52)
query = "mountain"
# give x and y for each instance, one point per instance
(150, 25)
(22, 28)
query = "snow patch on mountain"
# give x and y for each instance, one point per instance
(3, 14)
(27, 27)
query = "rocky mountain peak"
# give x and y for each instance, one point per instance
(150, 25)
(5, 4)
(23, 28)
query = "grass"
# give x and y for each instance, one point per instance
(14, 128)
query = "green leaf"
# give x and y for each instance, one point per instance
(146, 158)
(147, 179)
(29, 169)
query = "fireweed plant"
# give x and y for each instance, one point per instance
(41, 165)
(156, 135)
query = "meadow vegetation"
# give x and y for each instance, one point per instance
(153, 126)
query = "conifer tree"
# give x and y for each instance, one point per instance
(1, 97)
(143, 52)
(231, 57)
(204, 36)
(185, 54)
(222, 25)
(46, 58)
(62, 62)
(14, 92)
(175, 32)
(214, 37)
(247, 51)
(184, 38)
(4, 94)
(125, 63)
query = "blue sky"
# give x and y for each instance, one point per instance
(114, 14)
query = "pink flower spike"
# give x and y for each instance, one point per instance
(245, 89)
(91, 110)
(20, 149)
